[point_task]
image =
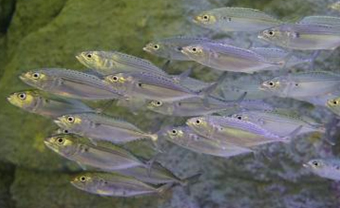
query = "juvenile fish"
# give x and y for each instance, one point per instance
(232, 130)
(321, 20)
(170, 48)
(114, 184)
(304, 84)
(102, 127)
(110, 62)
(334, 105)
(228, 19)
(277, 55)
(228, 58)
(152, 86)
(35, 101)
(158, 174)
(280, 122)
(188, 139)
(303, 36)
(325, 168)
(69, 83)
(103, 155)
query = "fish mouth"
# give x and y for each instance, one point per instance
(146, 49)
(22, 77)
(305, 165)
(58, 122)
(259, 36)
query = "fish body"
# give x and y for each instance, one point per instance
(110, 62)
(303, 36)
(102, 127)
(325, 168)
(37, 102)
(235, 19)
(103, 155)
(69, 83)
(227, 58)
(114, 184)
(191, 83)
(170, 48)
(149, 86)
(321, 20)
(232, 130)
(188, 139)
(278, 55)
(280, 122)
(304, 84)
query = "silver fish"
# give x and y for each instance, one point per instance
(69, 83)
(103, 155)
(303, 36)
(38, 102)
(234, 131)
(325, 168)
(114, 184)
(188, 139)
(228, 19)
(110, 62)
(333, 104)
(170, 48)
(304, 84)
(321, 20)
(152, 86)
(280, 121)
(277, 55)
(228, 58)
(102, 127)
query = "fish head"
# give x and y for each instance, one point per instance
(159, 106)
(197, 122)
(241, 116)
(90, 59)
(273, 85)
(63, 144)
(24, 99)
(272, 35)
(174, 133)
(333, 103)
(318, 166)
(85, 182)
(69, 121)
(205, 19)
(156, 48)
(119, 81)
(35, 78)
(195, 52)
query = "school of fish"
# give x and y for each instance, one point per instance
(222, 119)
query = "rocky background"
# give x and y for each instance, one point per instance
(48, 33)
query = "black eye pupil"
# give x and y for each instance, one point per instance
(156, 46)
(205, 17)
(198, 121)
(174, 131)
(89, 56)
(82, 178)
(60, 140)
(70, 119)
(334, 102)
(271, 33)
(194, 49)
(316, 163)
(140, 84)
(66, 131)
(239, 117)
(35, 75)
(115, 78)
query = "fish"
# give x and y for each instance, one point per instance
(232, 130)
(38, 102)
(191, 83)
(335, 6)
(152, 86)
(228, 58)
(103, 155)
(320, 20)
(170, 48)
(188, 139)
(235, 19)
(116, 185)
(303, 84)
(325, 168)
(69, 83)
(280, 121)
(303, 36)
(320, 100)
(157, 174)
(102, 127)
(110, 62)
(277, 55)
(334, 105)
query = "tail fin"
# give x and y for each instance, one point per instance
(163, 189)
(190, 179)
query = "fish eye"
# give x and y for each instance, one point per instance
(335, 102)
(174, 132)
(22, 96)
(158, 103)
(271, 83)
(65, 131)
(271, 33)
(239, 117)
(316, 163)
(115, 78)
(198, 121)
(156, 46)
(89, 55)
(70, 119)
(60, 140)
(36, 75)
(194, 49)
(205, 17)
(82, 179)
